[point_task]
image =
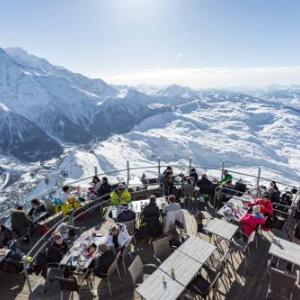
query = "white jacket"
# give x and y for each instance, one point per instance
(123, 237)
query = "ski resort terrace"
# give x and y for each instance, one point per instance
(232, 268)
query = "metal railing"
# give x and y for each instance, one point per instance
(157, 166)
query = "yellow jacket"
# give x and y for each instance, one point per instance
(117, 200)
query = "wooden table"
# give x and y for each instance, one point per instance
(137, 206)
(198, 249)
(76, 255)
(239, 209)
(286, 250)
(153, 288)
(245, 197)
(222, 229)
(185, 267)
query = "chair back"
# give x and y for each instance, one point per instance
(113, 266)
(68, 284)
(136, 270)
(127, 248)
(130, 225)
(281, 284)
(214, 284)
(251, 238)
(161, 248)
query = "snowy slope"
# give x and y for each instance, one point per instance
(22, 139)
(245, 131)
(67, 106)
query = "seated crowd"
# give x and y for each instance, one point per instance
(149, 223)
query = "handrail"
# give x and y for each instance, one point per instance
(55, 188)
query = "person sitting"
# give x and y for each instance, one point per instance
(172, 206)
(37, 207)
(120, 196)
(194, 176)
(206, 186)
(20, 222)
(251, 221)
(12, 262)
(274, 192)
(96, 182)
(169, 170)
(102, 262)
(187, 188)
(6, 237)
(65, 195)
(126, 215)
(118, 237)
(168, 183)
(57, 249)
(104, 190)
(226, 177)
(266, 209)
(68, 232)
(91, 250)
(151, 217)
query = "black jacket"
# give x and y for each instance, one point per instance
(102, 263)
(56, 252)
(19, 221)
(126, 216)
(5, 237)
(105, 189)
(151, 215)
(36, 211)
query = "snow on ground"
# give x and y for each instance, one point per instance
(245, 132)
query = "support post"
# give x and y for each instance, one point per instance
(223, 169)
(158, 168)
(128, 173)
(95, 170)
(190, 165)
(258, 178)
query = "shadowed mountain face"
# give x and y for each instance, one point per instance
(69, 107)
(22, 139)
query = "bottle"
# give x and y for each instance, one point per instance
(164, 282)
(173, 274)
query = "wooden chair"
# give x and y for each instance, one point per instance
(281, 285)
(113, 267)
(130, 226)
(136, 270)
(161, 249)
(126, 252)
(68, 284)
(242, 248)
(202, 287)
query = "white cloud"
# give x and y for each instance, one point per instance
(210, 77)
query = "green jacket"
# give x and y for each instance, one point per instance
(227, 178)
(117, 200)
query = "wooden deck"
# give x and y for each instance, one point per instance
(237, 282)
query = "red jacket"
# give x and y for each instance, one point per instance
(250, 222)
(265, 204)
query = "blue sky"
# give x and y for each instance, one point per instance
(123, 40)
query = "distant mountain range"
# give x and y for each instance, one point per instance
(62, 106)
(46, 109)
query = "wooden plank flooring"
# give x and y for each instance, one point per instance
(237, 283)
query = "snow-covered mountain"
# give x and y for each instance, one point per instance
(103, 126)
(67, 106)
(22, 138)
